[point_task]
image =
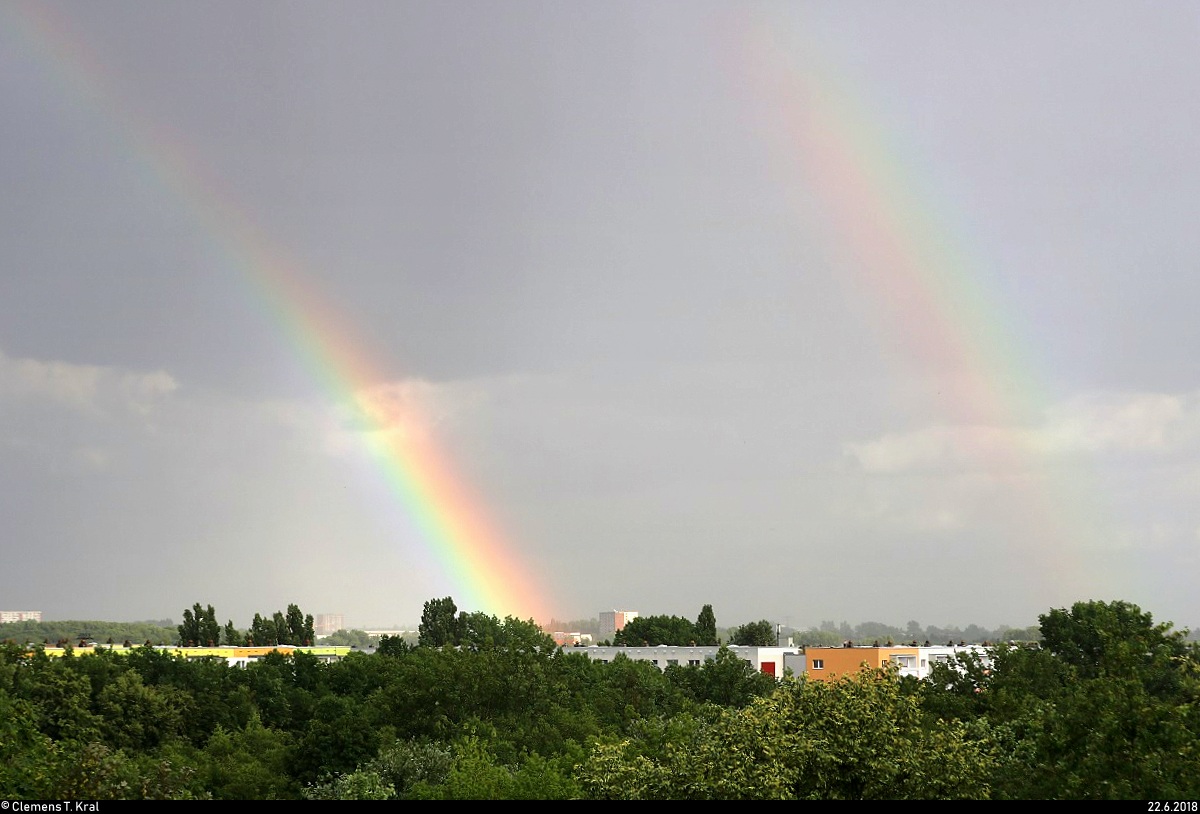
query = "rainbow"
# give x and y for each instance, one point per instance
(895, 249)
(484, 568)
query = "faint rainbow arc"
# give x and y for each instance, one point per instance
(486, 571)
(923, 285)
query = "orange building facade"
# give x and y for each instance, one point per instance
(830, 663)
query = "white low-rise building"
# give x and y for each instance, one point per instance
(828, 663)
(819, 663)
(20, 616)
(769, 660)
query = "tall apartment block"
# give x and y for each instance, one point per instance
(612, 621)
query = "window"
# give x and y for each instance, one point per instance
(818, 664)
(672, 662)
(693, 662)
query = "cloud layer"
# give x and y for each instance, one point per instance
(1143, 424)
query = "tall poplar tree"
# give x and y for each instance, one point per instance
(706, 627)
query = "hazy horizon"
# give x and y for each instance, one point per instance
(353, 624)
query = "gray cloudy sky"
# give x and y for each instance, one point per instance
(808, 310)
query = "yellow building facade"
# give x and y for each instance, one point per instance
(234, 656)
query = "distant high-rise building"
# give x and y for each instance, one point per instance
(612, 621)
(327, 623)
(20, 616)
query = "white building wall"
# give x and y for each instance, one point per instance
(664, 656)
(949, 653)
(20, 616)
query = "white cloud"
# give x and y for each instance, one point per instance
(933, 448)
(85, 388)
(97, 405)
(73, 385)
(1148, 422)
(1144, 423)
(406, 410)
(74, 417)
(141, 392)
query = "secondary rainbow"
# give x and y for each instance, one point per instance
(485, 569)
(897, 250)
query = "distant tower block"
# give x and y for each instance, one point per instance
(614, 620)
(327, 623)
(20, 616)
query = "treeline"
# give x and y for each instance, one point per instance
(484, 708)
(651, 631)
(74, 631)
(350, 638)
(200, 628)
(830, 633)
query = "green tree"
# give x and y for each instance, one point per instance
(28, 758)
(136, 717)
(350, 638)
(755, 634)
(262, 631)
(655, 630)
(1117, 638)
(361, 784)
(392, 774)
(481, 631)
(252, 763)
(859, 738)
(706, 627)
(210, 629)
(439, 623)
(392, 646)
(814, 637)
(727, 680)
(189, 629)
(295, 625)
(200, 627)
(337, 738)
(477, 774)
(406, 763)
(279, 622)
(62, 699)
(1106, 709)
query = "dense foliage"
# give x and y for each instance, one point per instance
(651, 631)
(489, 709)
(756, 634)
(74, 631)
